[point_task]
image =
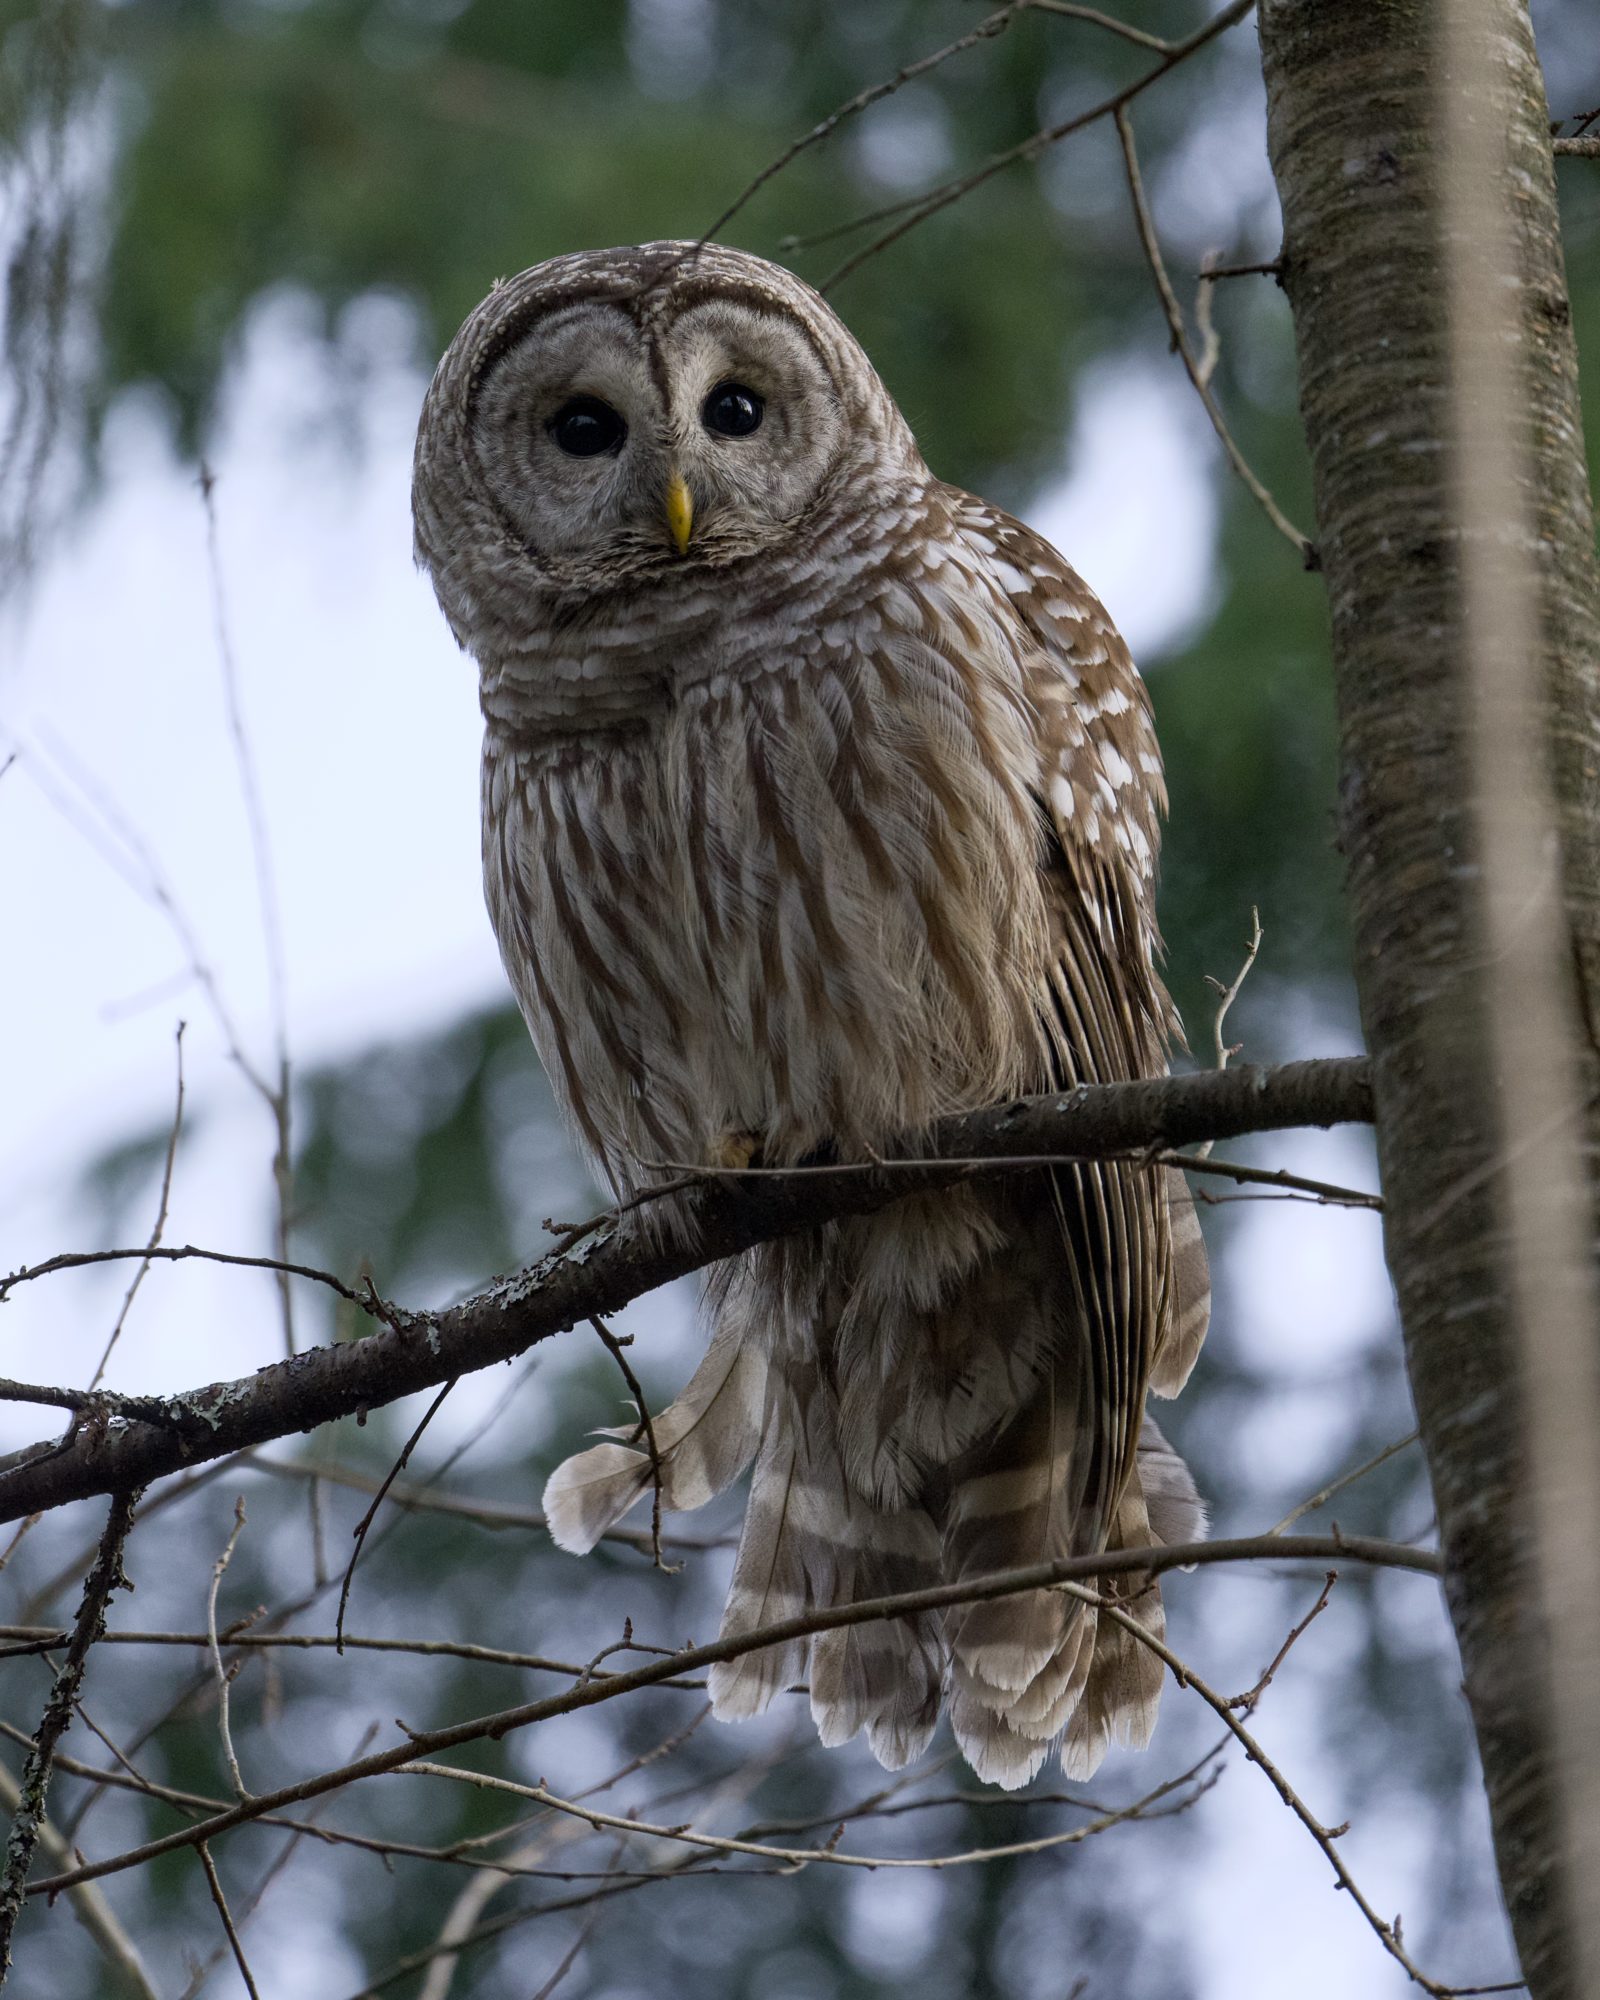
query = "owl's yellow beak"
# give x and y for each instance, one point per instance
(680, 512)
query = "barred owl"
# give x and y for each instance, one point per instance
(821, 799)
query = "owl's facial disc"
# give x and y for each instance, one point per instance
(570, 440)
(615, 449)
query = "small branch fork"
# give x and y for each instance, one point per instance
(620, 1259)
(1198, 375)
(919, 208)
(645, 1428)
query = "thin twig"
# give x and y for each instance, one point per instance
(1387, 1933)
(24, 1641)
(1327, 1193)
(1180, 340)
(919, 208)
(492, 1514)
(1210, 350)
(1038, 1576)
(364, 1525)
(1326, 1493)
(1140, 37)
(994, 24)
(214, 1884)
(274, 1869)
(224, 1677)
(1226, 997)
(647, 1427)
(89, 1904)
(179, 1253)
(277, 1094)
(105, 1576)
(1248, 1702)
(792, 1858)
(125, 851)
(163, 1203)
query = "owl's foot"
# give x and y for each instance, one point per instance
(731, 1151)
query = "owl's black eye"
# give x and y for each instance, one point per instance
(732, 410)
(585, 427)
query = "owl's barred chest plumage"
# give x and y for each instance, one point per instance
(821, 800)
(796, 893)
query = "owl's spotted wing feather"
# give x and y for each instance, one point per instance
(1100, 781)
(1134, 1287)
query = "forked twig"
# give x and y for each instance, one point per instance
(1226, 995)
(918, 209)
(646, 1428)
(1180, 340)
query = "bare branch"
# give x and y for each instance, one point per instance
(163, 1203)
(1388, 1934)
(1068, 1571)
(180, 1253)
(419, 1350)
(106, 1575)
(1197, 1162)
(994, 24)
(29, 1639)
(213, 1883)
(1326, 1493)
(88, 1903)
(919, 208)
(646, 1426)
(1180, 340)
(224, 1676)
(364, 1525)
(1069, 11)
(796, 1858)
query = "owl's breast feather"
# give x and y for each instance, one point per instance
(803, 901)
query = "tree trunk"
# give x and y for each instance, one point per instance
(1361, 122)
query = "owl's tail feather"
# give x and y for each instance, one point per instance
(1018, 1664)
(811, 1540)
(886, 1676)
(772, 1578)
(703, 1441)
(1057, 1664)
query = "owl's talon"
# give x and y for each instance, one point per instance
(731, 1151)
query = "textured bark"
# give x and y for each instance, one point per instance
(1353, 95)
(113, 1446)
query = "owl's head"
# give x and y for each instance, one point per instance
(622, 417)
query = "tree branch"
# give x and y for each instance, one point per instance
(105, 1576)
(587, 1692)
(629, 1255)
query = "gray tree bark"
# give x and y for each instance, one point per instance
(1359, 115)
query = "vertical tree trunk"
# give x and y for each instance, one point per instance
(1371, 248)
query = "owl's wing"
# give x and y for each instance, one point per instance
(1101, 793)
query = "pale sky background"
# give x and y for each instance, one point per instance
(363, 725)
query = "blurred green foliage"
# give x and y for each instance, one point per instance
(421, 148)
